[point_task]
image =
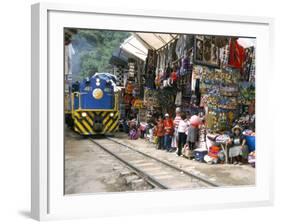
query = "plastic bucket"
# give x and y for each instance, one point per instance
(251, 142)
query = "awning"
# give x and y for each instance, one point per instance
(139, 43)
(134, 47)
(155, 40)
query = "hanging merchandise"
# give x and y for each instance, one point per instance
(197, 73)
(150, 80)
(247, 93)
(158, 78)
(236, 54)
(247, 64)
(136, 91)
(166, 98)
(184, 42)
(178, 100)
(253, 68)
(151, 60)
(180, 46)
(168, 71)
(205, 51)
(131, 71)
(220, 97)
(138, 104)
(224, 54)
(150, 98)
(221, 41)
(150, 68)
(118, 72)
(171, 51)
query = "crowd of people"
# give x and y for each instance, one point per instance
(175, 134)
(182, 133)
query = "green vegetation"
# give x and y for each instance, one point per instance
(94, 49)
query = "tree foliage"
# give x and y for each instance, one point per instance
(93, 50)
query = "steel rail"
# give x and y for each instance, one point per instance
(167, 164)
(141, 173)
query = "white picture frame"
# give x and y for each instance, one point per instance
(48, 201)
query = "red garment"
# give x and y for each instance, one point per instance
(128, 99)
(168, 126)
(236, 54)
(160, 129)
(174, 76)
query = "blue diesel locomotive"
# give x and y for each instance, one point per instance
(92, 106)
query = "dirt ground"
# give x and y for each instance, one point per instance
(222, 174)
(88, 169)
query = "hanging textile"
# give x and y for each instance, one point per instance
(253, 68)
(236, 54)
(178, 100)
(171, 51)
(180, 46)
(247, 64)
(184, 42)
(224, 55)
(197, 92)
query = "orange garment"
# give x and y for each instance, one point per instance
(168, 126)
(160, 129)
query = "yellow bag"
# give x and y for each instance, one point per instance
(155, 140)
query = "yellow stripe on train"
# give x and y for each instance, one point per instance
(84, 122)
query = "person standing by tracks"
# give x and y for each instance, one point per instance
(159, 132)
(176, 124)
(182, 129)
(169, 129)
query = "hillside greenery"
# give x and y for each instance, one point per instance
(93, 50)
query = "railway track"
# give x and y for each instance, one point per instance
(157, 172)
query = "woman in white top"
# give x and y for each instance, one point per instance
(182, 129)
(176, 124)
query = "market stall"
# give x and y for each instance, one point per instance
(210, 76)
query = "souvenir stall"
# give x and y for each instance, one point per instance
(210, 76)
(227, 92)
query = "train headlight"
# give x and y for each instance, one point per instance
(84, 114)
(97, 82)
(97, 93)
(111, 114)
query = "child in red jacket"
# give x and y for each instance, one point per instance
(168, 132)
(159, 132)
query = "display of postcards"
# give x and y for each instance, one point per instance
(217, 76)
(227, 102)
(229, 90)
(234, 73)
(247, 93)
